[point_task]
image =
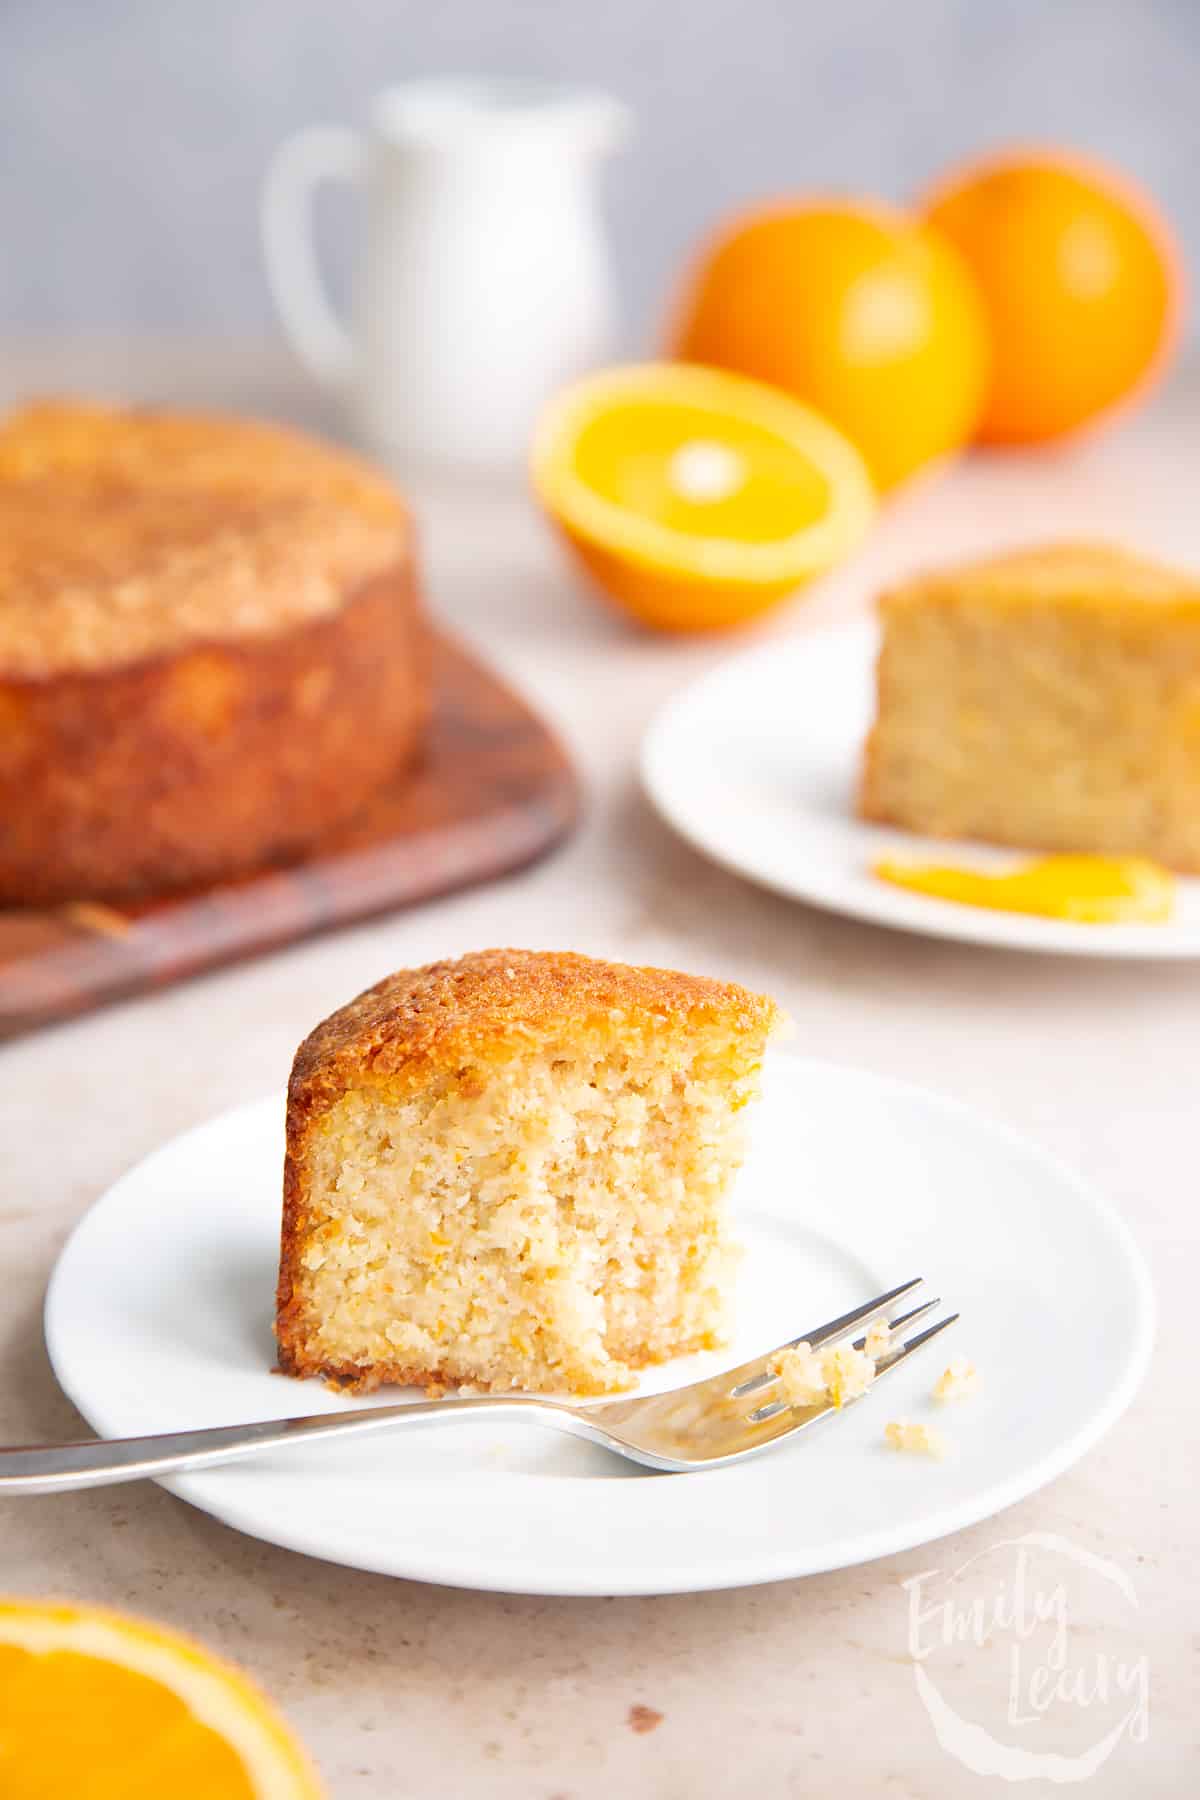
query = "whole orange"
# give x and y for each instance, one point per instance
(1082, 282)
(864, 313)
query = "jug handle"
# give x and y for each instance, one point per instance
(312, 327)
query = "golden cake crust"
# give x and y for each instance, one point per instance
(211, 648)
(1090, 575)
(127, 535)
(474, 1009)
(454, 1020)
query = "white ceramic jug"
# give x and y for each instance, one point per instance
(483, 279)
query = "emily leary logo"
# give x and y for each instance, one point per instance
(1013, 1683)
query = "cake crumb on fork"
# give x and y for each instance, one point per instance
(819, 1377)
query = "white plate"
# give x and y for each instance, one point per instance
(756, 765)
(158, 1318)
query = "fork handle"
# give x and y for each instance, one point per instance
(99, 1462)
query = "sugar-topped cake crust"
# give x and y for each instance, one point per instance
(127, 534)
(479, 1008)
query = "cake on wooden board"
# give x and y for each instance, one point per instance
(511, 1171)
(211, 648)
(1048, 699)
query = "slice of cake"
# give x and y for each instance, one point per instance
(512, 1171)
(1048, 699)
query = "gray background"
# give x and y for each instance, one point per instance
(135, 131)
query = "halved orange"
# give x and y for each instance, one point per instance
(696, 499)
(94, 1703)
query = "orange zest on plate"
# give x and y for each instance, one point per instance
(96, 1703)
(696, 499)
(1088, 890)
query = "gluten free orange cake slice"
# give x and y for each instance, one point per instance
(1048, 699)
(512, 1171)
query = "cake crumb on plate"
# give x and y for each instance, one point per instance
(910, 1434)
(957, 1380)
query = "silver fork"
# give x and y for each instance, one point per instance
(713, 1422)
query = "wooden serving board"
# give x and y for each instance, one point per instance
(493, 791)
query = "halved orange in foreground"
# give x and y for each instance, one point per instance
(99, 1705)
(696, 499)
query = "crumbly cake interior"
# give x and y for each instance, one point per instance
(1041, 720)
(550, 1224)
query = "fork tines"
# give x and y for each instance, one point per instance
(852, 1325)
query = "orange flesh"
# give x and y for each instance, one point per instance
(696, 499)
(779, 494)
(76, 1724)
(1091, 890)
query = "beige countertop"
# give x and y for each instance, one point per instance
(806, 1687)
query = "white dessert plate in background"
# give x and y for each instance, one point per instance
(756, 765)
(158, 1318)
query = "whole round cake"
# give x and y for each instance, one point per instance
(211, 648)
